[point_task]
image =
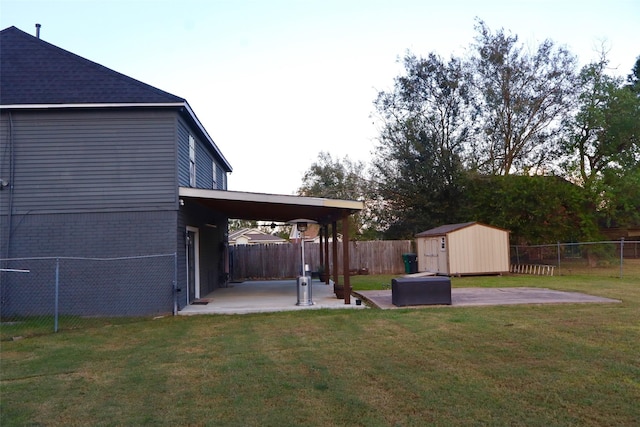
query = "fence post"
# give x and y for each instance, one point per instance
(57, 293)
(621, 255)
(559, 258)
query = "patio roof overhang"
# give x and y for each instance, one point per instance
(281, 208)
(271, 207)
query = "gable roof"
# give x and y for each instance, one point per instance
(254, 235)
(312, 232)
(33, 71)
(35, 74)
(445, 229)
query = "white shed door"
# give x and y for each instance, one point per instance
(442, 256)
(431, 254)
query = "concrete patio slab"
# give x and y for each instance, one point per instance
(266, 296)
(461, 297)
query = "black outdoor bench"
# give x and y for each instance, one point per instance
(420, 291)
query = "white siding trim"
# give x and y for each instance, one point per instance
(196, 261)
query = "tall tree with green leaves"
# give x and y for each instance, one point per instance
(334, 178)
(417, 165)
(603, 132)
(603, 144)
(633, 79)
(520, 99)
(341, 179)
(535, 209)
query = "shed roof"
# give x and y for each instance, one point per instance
(446, 229)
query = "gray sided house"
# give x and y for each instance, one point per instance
(91, 165)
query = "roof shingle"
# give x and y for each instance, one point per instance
(33, 72)
(444, 229)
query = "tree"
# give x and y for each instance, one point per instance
(504, 112)
(535, 209)
(334, 178)
(603, 144)
(417, 165)
(604, 131)
(432, 98)
(237, 224)
(633, 79)
(520, 99)
(340, 179)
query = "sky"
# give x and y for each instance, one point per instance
(275, 82)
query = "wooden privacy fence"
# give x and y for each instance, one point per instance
(283, 261)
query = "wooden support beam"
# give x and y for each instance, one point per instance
(321, 247)
(326, 253)
(345, 259)
(334, 245)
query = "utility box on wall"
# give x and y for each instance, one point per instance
(469, 248)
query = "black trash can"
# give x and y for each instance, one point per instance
(410, 263)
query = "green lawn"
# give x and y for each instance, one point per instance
(537, 365)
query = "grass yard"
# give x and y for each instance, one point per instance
(535, 365)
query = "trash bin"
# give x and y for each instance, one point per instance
(410, 263)
(304, 290)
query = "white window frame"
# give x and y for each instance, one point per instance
(192, 161)
(214, 175)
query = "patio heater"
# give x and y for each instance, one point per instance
(303, 282)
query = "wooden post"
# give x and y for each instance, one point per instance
(321, 247)
(345, 259)
(334, 246)
(326, 252)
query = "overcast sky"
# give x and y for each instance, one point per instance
(275, 82)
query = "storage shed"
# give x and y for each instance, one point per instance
(463, 249)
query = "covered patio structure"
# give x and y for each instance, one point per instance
(265, 296)
(284, 209)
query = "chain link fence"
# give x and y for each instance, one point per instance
(43, 295)
(606, 258)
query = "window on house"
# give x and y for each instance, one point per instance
(214, 176)
(192, 161)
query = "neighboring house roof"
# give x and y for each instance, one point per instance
(446, 229)
(632, 232)
(36, 74)
(311, 234)
(253, 236)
